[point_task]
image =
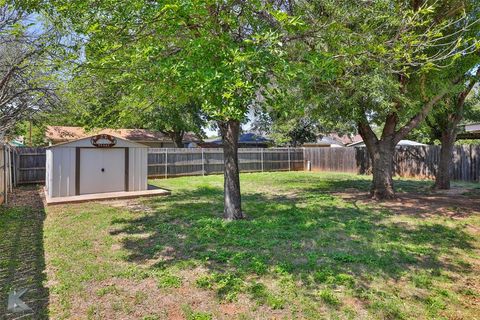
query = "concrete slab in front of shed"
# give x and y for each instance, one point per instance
(151, 192)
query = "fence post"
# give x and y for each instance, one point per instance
(17, 167)
(10, 176)
(289, 165)
(5, 175)
(166, 163)
(203, 163)
(14, 170)
(472, 163)
(304, 161)
(261, 155)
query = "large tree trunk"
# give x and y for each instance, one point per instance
(382, 170)
(442, 178)
(177, 138)
(449, 135)
(381, 152)
(232, 199)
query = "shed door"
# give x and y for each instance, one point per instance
(102, 170)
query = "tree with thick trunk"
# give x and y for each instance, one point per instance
(222, 54)
(381, 150)
(177, 138)
(444, 169)
(388, 51)
(230, 130)
(444, 126)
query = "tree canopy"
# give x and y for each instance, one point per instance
(28, 57)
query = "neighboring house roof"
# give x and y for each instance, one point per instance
(252, 138)
(246, 138)
(334, 140)
(331, 141)
(345, 139)
(64, 133)
(474, 127)
(400, 143)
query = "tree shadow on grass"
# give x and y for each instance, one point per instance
(304, 235)
(364, 183)
(22, 262)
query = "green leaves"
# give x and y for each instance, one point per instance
(222, 54)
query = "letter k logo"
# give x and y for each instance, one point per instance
(14, 302)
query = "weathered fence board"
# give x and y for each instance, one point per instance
(29, 165)
(419, 162)
(2, 174)
(334, 159)
(5, 172)
(171, 162)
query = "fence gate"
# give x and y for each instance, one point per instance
(29, 165)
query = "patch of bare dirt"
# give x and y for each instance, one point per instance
(27, 196)
(133, 205)
(451, 203)
(118, 298)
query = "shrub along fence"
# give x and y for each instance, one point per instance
(420, 162)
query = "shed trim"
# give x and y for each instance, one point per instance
(65, 144)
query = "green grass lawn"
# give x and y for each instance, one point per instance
(303, 253)
(22, 258)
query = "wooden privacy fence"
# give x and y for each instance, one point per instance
(421, 162)
(170, 162)
(174, 162)
(417, 161)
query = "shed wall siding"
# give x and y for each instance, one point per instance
(63, 172)
(61, 163)
(137, 179)
(48, 172)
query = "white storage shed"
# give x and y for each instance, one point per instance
(96, 164)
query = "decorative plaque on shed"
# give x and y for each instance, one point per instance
(103, 141)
